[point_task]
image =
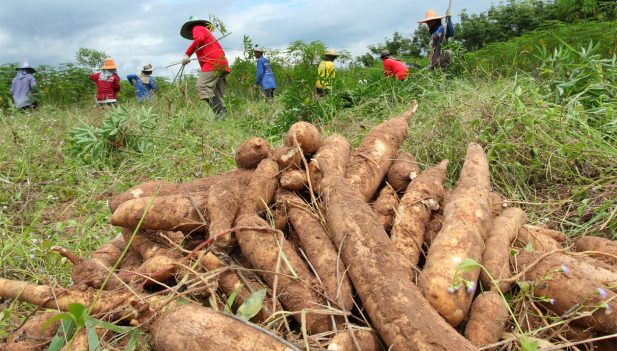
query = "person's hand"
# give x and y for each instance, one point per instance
(186, 60)
(449, 13)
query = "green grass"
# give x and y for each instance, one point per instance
(555, 155)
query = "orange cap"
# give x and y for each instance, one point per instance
(109, 64)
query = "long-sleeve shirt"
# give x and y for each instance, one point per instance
(211, 56)
(21, 88)
(326, 73)
(394, 68)
(106, 89)
(265, 76)
(436, 41)
(144, 90)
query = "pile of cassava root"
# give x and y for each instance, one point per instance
(347, 249)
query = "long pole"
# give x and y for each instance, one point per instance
(445, 31)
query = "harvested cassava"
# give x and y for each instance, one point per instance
(93, 272)
(369, 164)
(295, 284)
(366, 339)
(381, 279)
(231, 282)
(221, 209)
(31, 336)
(560, 281)
(432, 229)
(496, 257)
(320, 250)
(497, 204)
(261, 189)
(403, 170)
(599, 248)
(174, 212)
(331, 158)
(414, 211)
(294, 179)
(251, 152)
(385, 206)
(536, 239)
(487, 319)
(194, 327)
(286, 157)
(467, 220)
(307, 135)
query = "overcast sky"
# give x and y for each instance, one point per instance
(135, 32)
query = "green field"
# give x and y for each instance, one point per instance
(549, 128)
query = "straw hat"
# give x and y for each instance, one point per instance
(187, 28)
(384, 53)
(258, 49)
(430, 15)
(147, 68)
(331, 52)
(109, 64)
(26, 66)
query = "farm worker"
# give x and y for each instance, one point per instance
(143, 82)
(212, 81)
(107, 83)
(265, 75)
(326, 72)
(392, 67)
(439, 33)
(23, 85)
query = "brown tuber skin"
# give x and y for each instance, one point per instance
(496, 257)
(31, 336)
(403, 318)
(343, 341)
(93, 272)
(487, 319)
(536, 237)
(307, 135)
(262, 249)
(286, 157)
(385, 206)
(569, 289)
(331, 158)
(194, 327)
(221, 209)
(603, 249)
(467, 220)
(251, 152)
(414, 211)
(320, 250)
(294, 179)
(175, 213)
(403, 170)
(497, 204)
(369, 164)
(433, 228)
(261, 189)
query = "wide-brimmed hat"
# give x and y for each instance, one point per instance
(430, 15)
(257, 48)
(109, 64)
(331, 52)
(147, 68)
(26, 66)
(187, 28)
(384, 53)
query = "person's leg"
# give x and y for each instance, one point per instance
(219, 95)
(206, 90)
(269, 93)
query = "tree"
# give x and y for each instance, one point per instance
(90, 58)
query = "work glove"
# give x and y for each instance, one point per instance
(186, 59)
(449, 13)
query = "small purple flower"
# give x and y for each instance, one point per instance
(471, 287)
(602, 293)
(565, 270)
(607, 308)
(551, 301)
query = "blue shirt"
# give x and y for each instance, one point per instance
(265, 76)
(144, 91)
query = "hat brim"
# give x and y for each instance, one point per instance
(187, 28)
(331, 54)
(148, 70)
(431, 18)
(32, 70)
(109, 67)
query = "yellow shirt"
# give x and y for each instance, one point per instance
(326, 74)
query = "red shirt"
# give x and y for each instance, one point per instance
(211, 57)
(394, 68)
(106, 89)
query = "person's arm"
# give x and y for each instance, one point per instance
(260, 72)
(450, 26)
(153, 84)
(94, 77)
(32, 82)
(199, 40)
(116, 83)
(132, 78)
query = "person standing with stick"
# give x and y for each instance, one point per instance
(439, 35)
(212, 81)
